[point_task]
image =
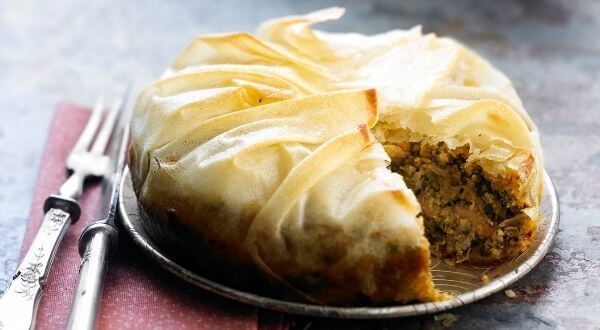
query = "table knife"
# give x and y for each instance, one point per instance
(97, 242)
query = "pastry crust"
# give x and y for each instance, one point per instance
(267, 153)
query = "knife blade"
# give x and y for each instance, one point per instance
(100, 238)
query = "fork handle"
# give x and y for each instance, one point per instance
(18, 305)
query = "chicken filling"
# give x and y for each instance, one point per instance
(465, 218)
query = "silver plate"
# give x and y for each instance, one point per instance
(465, 282)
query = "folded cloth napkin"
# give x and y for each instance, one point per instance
(137, 293)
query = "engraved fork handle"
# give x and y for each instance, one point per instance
(18, 305)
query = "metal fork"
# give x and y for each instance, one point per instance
(18, 305)
(86, 162)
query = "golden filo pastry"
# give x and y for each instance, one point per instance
(336, 164)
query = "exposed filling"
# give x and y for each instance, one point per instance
(466, 217)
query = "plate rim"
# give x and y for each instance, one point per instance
(494, 285)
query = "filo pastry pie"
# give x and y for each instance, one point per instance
(336, 164)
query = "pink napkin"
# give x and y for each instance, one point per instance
(138, 293)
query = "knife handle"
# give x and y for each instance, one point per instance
(97, 242)
(18, 305)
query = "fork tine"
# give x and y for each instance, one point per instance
(106, 130)
(90, 128)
